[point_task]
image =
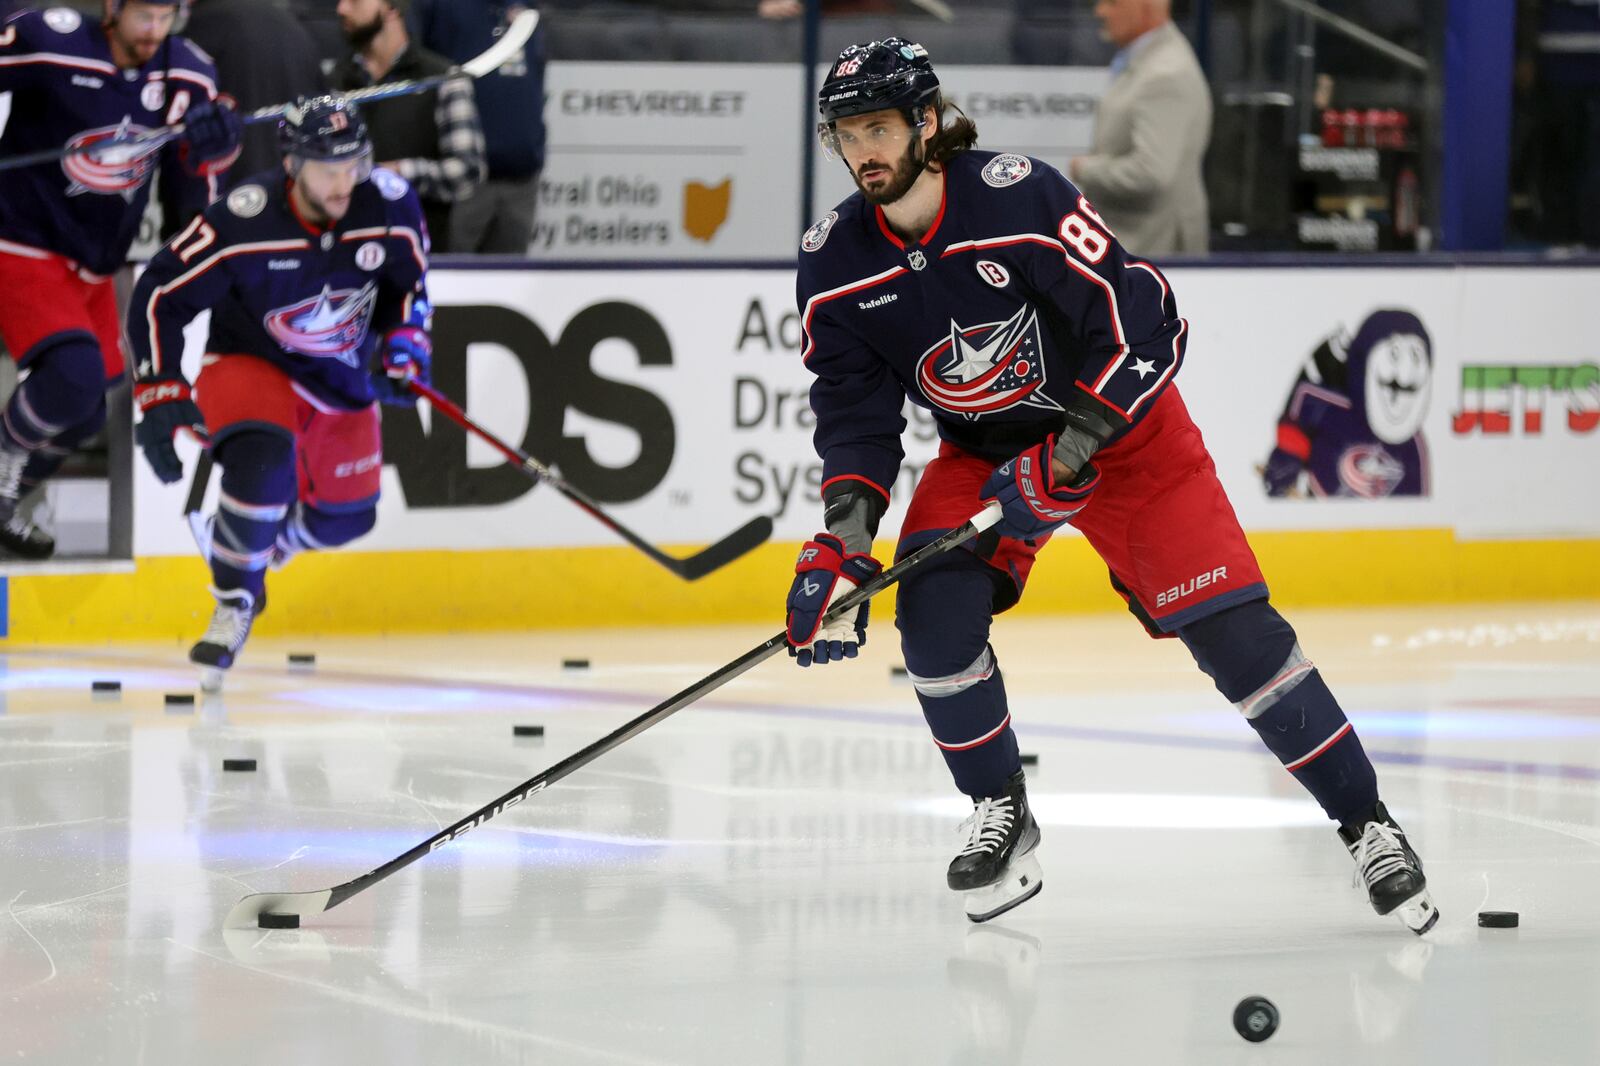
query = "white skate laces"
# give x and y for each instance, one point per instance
(1378, 854)
(988, 826)
(12, 464)
(230, 625)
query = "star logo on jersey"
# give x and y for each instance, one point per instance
(331, 325)
(115, 170)
(1143, 367)
(981, 370)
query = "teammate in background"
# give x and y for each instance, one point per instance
(315, 276)
(985, 288)
(65, 226)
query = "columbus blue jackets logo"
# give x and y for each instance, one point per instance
(117, 169)
(981, 370)
(1369, 471)
(331, 325)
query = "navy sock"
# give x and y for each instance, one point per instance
(314, 528)
(258, 483)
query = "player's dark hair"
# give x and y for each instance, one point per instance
(956, 133)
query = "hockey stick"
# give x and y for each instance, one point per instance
(510, 43)
(198, 483)
(247, 912)
(747, 537)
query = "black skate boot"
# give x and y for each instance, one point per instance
(230, 626)
(1391, 870)
(996, 869)
(21, 539)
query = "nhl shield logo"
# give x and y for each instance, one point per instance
(981, 370)
(917, 260)
(705, 208)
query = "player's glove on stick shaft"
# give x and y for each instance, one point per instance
(165, 408)
(1034, 504)
(212, 134)
(825, 571)
(406, 355)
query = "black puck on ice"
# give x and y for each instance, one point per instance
(268, 920)
(527, 730)
(180, 699)
(898, 672)
(105, 686)
(302, 658)
(1498, 919)
(239, 765)
(574, 664)
(1255, 1018)
(1029, 759)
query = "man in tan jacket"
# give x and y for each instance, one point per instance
(1144, 172)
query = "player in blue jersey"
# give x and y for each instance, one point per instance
(315, 276)
(985, 288)
(66, 225)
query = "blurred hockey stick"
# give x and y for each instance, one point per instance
(510, 44)
(247, 912)
(199, 482)
(748, 536)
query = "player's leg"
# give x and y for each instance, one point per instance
(341, 463)
(943, 612)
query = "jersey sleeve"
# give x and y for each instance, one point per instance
(184, 194)
(20, 58)
(403, 295)
(187, 276)
(857, 400)
(1122, 308)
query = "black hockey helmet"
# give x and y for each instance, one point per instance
(325, 128)
(877, 75)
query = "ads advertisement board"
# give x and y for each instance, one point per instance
(1468, 400)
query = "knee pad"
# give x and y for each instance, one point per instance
(64, 390)
(943, 613)
(258, 467)
(1249, 651)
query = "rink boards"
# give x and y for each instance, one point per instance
(677, 397)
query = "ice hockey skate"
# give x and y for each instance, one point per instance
(1391, 871)
(215, 652)
(996, 868)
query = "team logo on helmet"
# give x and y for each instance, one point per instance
(115, 170)
(331, 325)
(1006, 169)
(1369, 471)
(817, 235)
(981, 370)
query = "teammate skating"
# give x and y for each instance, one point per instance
(315, 276)
(66, 225)
(985, 287)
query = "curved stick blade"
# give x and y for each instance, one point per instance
(245, 913)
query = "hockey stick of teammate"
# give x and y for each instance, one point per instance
(246, 913)
(751, 535)
(198, 484)
(510, 43)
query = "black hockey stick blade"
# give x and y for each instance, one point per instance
(248, 911)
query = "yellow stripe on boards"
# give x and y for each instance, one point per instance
(437, 591)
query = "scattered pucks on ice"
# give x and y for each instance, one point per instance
(1029, 759)
(1255, 1018)
(1498, 919)
(105, 686)
(898, 673)
(180, 699)
(574, 664)
(527, 730)
(239, 765)
(302, 658)
(268, 920)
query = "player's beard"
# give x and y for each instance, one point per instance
(359, 36)
(140, 49)
(902, 176)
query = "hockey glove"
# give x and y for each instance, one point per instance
(165, 409)
(1281, 475)
(406, 355)
(1034, 505)
(212, 132)
(824, 572)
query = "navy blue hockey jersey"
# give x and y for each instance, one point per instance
(312, 302)
(1017, 299)
(65, 90)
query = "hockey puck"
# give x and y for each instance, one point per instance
(239, 765)
(574, 664)
(1030, 759)
(1255, 1018)
(898, 673)
(302, 658)
(180, 699)
(268, 920)
(105, 686)
(1498, 919)
(527, 730)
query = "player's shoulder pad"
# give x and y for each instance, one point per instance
(391, 185)
(246, 202)
(44, 29)
(191, 61)
(832, 243)
(1009, 171)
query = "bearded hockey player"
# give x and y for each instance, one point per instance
(66, 225)
(315, 276)
(985, 288)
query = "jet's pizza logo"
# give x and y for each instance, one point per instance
(1492, 398)
(331, 325)
(115, 170)
(980, 370)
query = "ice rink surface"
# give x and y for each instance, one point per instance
(760, 878)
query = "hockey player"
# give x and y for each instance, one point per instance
(315, 276)
(66, 226)
(986, 289)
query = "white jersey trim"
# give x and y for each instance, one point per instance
(59, 60)
(833, 294)
(183, 279)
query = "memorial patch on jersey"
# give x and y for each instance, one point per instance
(980, 370)
(370, 256)
(817, 235)
(993, 273)
(331, 325)
(153, 95)
(1007, 169)
(63, 19)
(247, 201)
(393, 186)
(116, 170)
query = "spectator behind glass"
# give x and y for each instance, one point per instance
(432, 139)
(498, 219)
(1143, 173)
(264, 57)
